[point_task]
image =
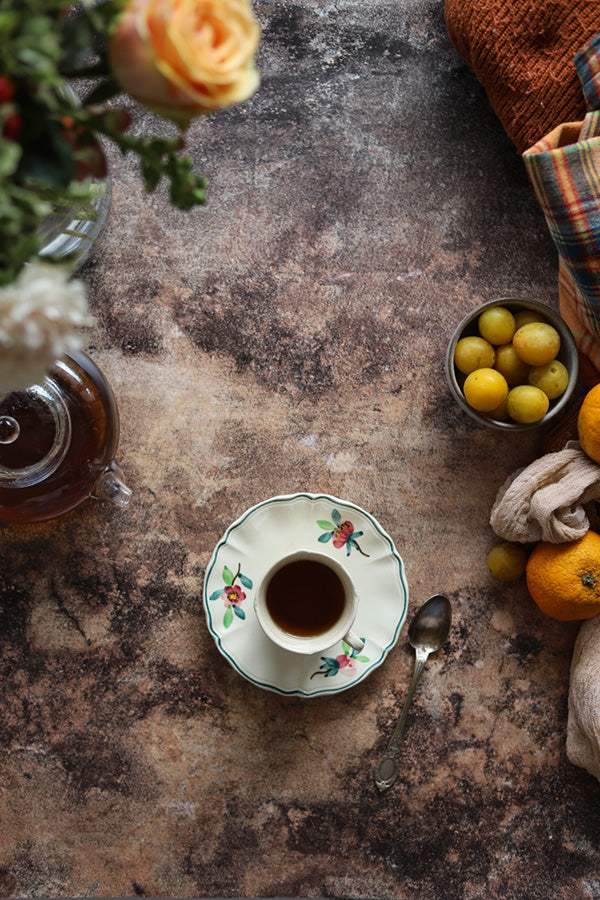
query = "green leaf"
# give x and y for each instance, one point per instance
(227, 618)
(362, 659)
(10, 154)
(331, 664)
(151, 174)
(323, 523)
(227, 576)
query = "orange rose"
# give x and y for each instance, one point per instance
(182, 58)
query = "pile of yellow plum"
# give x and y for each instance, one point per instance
(511, 368)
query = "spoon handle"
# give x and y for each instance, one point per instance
(388, 766)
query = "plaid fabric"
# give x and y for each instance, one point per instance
(587, 63)
(564, 168)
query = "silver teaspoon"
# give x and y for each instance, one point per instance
(427, 632)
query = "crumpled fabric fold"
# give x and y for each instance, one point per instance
(546, 500)
(583, 723)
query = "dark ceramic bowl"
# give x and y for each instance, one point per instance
(567, 355)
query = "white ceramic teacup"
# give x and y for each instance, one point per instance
(306, 608)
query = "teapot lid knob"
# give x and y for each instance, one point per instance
(9, 429)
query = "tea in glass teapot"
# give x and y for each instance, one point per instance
(58, 441)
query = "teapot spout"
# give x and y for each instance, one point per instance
(111, 487)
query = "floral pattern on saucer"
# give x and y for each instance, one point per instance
(232, 594)
(266, 533)
(344, 664)
(342, 532)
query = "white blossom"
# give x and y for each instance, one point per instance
(39, 315)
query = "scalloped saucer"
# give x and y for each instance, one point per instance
(264, 534)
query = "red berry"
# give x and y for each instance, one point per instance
(7, 89)
(11, 127)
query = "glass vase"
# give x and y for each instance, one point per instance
(74, 232)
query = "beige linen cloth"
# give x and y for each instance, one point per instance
(583, 724)
(546, 501)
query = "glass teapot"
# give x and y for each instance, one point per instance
(58, 441)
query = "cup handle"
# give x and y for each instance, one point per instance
(355, 642)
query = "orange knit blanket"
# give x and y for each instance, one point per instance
(522, 52)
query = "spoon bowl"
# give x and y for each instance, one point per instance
(427, 633)
(431, 625)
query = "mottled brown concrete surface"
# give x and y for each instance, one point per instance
(290, 337)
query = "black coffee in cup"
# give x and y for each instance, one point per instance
(305, 597)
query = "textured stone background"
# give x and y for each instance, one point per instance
(290, 336)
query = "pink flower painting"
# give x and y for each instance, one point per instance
(342, 533)
(344, 664)
(232, 594)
